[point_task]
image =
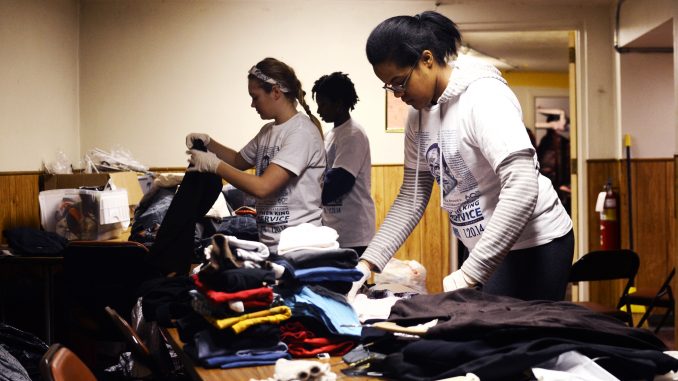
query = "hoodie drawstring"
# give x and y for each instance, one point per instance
(416, 170)
(440, 159)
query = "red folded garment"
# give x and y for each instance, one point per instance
(252, 298)
(302, 342)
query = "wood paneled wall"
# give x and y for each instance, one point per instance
(429, 243)
(19, 201)
(653, 192)
(654, 186)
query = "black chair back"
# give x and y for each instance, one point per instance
(608, 265)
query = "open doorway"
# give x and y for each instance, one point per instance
(539, 68)
(536, 67)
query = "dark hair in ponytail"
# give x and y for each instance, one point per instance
(401, 39)
(285, 76)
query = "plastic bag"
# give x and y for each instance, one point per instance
(25, 347)
(118, 159)
(408, 273)
(60, 165)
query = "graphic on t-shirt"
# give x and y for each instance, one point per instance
(464, 205)
(272, 218)
(335, 205)
(264, 157)
(433, 157)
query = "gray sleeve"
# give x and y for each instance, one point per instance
(517, 200)
(401, 219)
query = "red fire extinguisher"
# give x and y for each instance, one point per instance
(608, 206)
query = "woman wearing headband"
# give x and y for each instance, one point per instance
(288, 154)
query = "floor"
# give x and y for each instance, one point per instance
(667, 332)
(667, 335)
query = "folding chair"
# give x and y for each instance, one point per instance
(652, 297)
(158, 363)
(60, 364)
(608, 265)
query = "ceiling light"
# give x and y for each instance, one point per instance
(499, 63)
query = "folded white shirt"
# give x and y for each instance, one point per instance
(248, 250)
(307, 236)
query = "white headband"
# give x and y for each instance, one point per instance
(260, 75)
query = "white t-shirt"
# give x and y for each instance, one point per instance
(478, 123)
(297, 146)
(351, 215)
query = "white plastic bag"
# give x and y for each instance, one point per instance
(60, 165)
(118, 159)
(408, 273)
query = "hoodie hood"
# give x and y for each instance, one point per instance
(467, 70)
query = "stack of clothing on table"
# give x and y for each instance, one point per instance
(234, 296)
(322, 322)
(317, 275)
(431, 337)
(247, 307)
(311, 255)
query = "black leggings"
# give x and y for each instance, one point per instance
(537, 273)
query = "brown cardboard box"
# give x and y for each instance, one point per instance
(120, 180)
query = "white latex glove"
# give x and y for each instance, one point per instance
(203, 161)
(456, 280)
(192, 137)
(363, 267)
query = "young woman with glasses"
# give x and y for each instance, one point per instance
(288, 154)
(506, 214)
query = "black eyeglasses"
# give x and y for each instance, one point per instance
(401, 87)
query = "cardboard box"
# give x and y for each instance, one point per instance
(80, 214)
(117, 180)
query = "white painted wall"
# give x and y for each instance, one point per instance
(151, 71)
(636, 19)
(38, 82)
(647, 104)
